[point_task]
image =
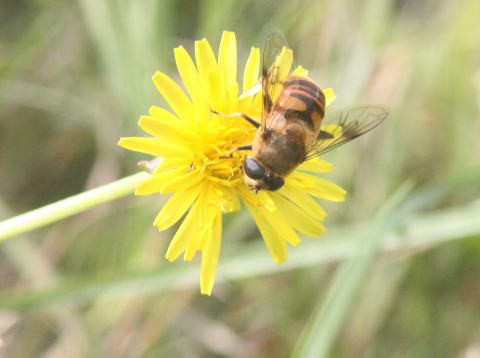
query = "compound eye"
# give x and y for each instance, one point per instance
(253, 169)
(274, 183)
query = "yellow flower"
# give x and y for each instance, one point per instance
(193, 144)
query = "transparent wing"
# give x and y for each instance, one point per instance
(343, 126)
(277, 61)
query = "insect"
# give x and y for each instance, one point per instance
(292, 128)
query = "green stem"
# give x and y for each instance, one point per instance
(69, 206)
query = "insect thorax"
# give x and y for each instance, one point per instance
(281, 153)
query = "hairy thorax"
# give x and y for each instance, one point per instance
(281, 147)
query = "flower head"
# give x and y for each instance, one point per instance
(206, 182)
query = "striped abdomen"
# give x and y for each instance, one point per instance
(301, 99)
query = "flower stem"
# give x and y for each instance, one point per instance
(69, 206)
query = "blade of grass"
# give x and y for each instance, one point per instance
(419, 233)
(321, 330)
(378, 296)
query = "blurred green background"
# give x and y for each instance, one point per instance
(76, 75)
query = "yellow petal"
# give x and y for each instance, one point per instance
(299, 219)
(252, 70)
(182, 181)
(324, 189)
(303, 200)
(281, 66)
(232, 98)
(204, 58)
(316, 165)
(255, 109)
(227, 60)
(252, 91)
(259, 200)
(160, 112)
(229, 201)
(185, 234)
(170, 163)
(217, 96)
(209, 208)
(276, 246)
(174, 96)
(281, 223)
(176, 206)
(284, 62)
(190, 79)
(156, 182)
(170, 180)
(246, 99)
(210, 257)
(159, 127)
(204, 233)
(154, 146)
(329, 96)
(300, 71)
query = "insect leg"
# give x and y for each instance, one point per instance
(325, 135)
(237, 149)
(243, 147)
(238, 114)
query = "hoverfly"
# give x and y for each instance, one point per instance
(292, 128)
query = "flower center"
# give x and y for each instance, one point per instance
(222, 168)
(219, 162)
